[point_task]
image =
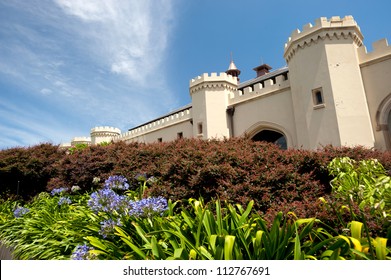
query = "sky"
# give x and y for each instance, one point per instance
(67, 66)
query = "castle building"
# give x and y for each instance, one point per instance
(332, 91)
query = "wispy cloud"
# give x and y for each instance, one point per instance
(96, 61)
(130, 36)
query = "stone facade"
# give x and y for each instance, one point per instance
(332, 91)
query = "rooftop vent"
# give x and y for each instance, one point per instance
(262, 69)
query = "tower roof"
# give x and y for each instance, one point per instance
(232, 69)
(232, 66)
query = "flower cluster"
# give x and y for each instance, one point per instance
(117, 182)
(141, 177)
(20, 211)
(58, 191)
(75, 189)
(96, 180)
(82, 252)
(106, 200)
(152, 180)
(64, 200)
(148, 207)
(107, 227)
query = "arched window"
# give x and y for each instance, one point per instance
(271, 136)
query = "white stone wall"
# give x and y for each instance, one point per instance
(165, 128)
(273, 111)
(376, 72)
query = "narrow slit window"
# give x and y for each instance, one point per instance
(317, 96)
(199, 128)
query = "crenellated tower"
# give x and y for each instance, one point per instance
(101, 134)
(210, 95)
(329, 100)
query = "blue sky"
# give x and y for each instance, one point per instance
(69, 65)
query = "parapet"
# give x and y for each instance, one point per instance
(310, 33)
(273, 85)
(106, 130)
(81, 140)
(177, 117)
(380, 50)
(214, 79)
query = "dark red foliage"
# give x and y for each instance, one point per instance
(237, 170)
(26, 171)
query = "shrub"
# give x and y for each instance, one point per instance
(26, 171)
(236, 170)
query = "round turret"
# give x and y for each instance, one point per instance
(101, 134)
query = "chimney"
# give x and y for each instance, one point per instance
(262, 70)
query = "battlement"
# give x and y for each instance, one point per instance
(105, 129)
(80, 140)
(157, 124)
(335, 27)
(272, 85)
(213, 78)
(323, 22)
(380, 50)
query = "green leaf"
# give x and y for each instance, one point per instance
(381, 248)
(228, 247)
(356, 229)
(297, 252)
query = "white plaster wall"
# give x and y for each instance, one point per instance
(271, 111)
(307, 71)
(377, 83)
(348, 92)
(216, 106)
(168, 133)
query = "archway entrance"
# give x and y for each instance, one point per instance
(271, 136)
(383, 121)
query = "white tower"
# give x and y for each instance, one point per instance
(329, 100)
(103, 134)
(209, 104)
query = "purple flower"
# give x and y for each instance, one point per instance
(64, 200)
(107, 227)
(106, 200)
(82, 252)
(148, 207)
(58, 191)
(20, 211)
(118, 182)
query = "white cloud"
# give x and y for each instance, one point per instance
(46, 91)
(88, 10)
(84, 62)
(129, 36)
